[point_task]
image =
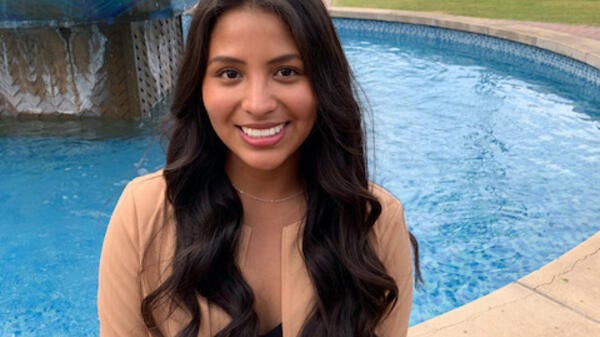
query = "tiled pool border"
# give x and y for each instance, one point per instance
(506, 49)
(560, 298)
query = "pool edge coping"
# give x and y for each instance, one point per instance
(582, 49)
(564, 289)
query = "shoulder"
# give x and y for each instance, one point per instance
(147, 186)
(392, 211)
(146, 193)
(390, 227)
(142, 208)
(385, 198)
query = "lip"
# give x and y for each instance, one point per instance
(263, 141)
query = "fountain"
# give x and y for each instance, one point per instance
(88, 58)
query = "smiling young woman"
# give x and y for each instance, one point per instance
(263, 221)
(259, 99)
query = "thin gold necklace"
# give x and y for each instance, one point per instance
(272, 201)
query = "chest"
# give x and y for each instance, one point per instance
(295, 292)
(262, 271)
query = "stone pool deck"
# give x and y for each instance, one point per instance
(560, 299)
(563, 297)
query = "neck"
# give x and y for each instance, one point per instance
(276, 184)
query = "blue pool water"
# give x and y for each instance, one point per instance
(496, 158)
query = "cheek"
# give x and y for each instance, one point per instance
(210, 98)
(304, 105)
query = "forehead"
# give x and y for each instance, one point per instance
(247, 28)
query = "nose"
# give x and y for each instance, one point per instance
(258, 100)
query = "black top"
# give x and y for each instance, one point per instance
(276, 332)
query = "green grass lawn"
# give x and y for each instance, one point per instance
(583, 12)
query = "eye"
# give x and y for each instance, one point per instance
(229, 74)
(286, 72)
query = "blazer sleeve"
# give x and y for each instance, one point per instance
(119, 287)
(396, 255)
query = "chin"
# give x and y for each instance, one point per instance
(267, 162)
(264, 166)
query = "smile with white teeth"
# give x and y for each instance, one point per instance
(261, 133)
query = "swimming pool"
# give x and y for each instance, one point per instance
(495, 158)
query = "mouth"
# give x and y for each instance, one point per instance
(262, 132)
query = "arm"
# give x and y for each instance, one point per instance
(119, 287)
(396, 255)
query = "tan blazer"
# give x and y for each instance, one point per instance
(139, 245)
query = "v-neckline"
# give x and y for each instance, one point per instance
(275, 332)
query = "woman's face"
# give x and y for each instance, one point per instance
(259, 99)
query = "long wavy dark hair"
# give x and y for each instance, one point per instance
(353, 290)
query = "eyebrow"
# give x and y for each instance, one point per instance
(278, 59)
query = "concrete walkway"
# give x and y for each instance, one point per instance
(561, 299)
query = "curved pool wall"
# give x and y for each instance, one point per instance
(578, 48)
(573, 77)
(537, 60)
(560, 298)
